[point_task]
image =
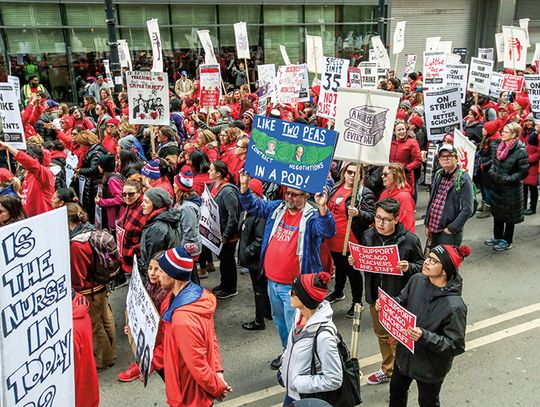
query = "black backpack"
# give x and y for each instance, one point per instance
(348, 395)
(106, 256)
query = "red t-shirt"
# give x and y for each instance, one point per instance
(280, 260)
(336, 205)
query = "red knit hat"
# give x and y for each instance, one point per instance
(114, 121)
(417, 121)
(256, 186)
(491, 127)
(451, 257)
(5, 175)
(523, 101)
(401, 115)
(311, 289)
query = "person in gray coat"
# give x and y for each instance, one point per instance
(313, 312)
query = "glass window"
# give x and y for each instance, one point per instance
(282, 28)
(359, 14)
(92, 15)
(229, 15)
(138, 15)
(320, 14)
(187, 19)
(89, 40)
(138, 39)
(24, 14)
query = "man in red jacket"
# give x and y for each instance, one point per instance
(193, 371)
(38, 184)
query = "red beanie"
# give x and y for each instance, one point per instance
(311, 289)
(114, 121)
(5, 175)
(451, 257)
(417, 121)
(523, 101)
(491, 127)
(401, 115)
(256, 187)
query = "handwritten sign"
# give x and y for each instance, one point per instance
(355, 78)
(290, 79)
(466, 152)
(241, 38)
(396, 320)
(376, 259)
(434, 67)
(36, 339)
(495, 86)
(148, 96)
(462, 52)
(155, 39)
(334, 75)
(209, 226)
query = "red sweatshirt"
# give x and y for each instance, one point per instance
(406, 203)
(406, 152)
(37, 187)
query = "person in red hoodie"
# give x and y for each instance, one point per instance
(200, 165)
(529, 137)
(193, 370)
(38, 184)
(111, 135)
(157, 175)
(405, 150)
(395, 184)
(238, 160)
(85, 372)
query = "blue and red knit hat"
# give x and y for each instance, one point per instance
(151, 169)
(177, 263)
(184, 181)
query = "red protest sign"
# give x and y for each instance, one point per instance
(396, 320)
(210, 80)
(376, 259)
(513, 83)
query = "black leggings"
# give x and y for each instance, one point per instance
(428, 393)
(503, 230)
(533, 189)
(344, 270)
(227, 267)
(260, 290)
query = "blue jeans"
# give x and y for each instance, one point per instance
(282, 311)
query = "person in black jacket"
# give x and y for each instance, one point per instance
(249, 251)
(389, 231)
(441, 317)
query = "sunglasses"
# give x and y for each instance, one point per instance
(349, 172)
(124, 194)
(111, 125)
(385, 174)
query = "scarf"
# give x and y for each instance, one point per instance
(504, 149)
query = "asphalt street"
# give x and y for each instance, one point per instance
(499, 368)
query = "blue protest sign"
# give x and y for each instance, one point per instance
(291, 154)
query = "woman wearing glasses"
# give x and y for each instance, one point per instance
(395, 186)
(237, 161)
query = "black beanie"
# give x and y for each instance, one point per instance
(107, 162)
(311, 289)
(451, 257)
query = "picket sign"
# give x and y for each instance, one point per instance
(334, 75)
(533, 88)
(462, 52)
(456, 76)
(206, 42)
(314, 53)
(434, 68)
(12, 126)
(396, 319)
(210, 79)
(284, 54)
(515, 48)
(499, 45)
(376, 259)
(480, 76)
(369, 74)
(485, 53)
(513, 83)
(443, 112)
(495, 86)
(148, 95)
(209, 226)
(380, 52)
(155, 40)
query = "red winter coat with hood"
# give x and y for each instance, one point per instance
(86, 377)
(191, 351)
(38, 185)
(406, 152)
(406, 205)
(530, 138)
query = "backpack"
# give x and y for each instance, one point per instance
(348, 395)
(106, 256)
(457, 187)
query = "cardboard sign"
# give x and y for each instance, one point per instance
(209, 226)
(241, 38)
(396, 319)
(365, 122)
(485, 53)
(284, 54)
(334, 75)
(515, 48)
(291, 154)
(499, 45)
(380, 52)
(495, 86)
(206, 42)
(314, 53)
(155, 40)
(513, 83)
(432, 44)
(462, 52)
(355, 78)
(36, 339)
(434, 66)
(456, 76)
(399, 38)
(143, 322)
(289, 83)
(210, 78)
(369, 74)
(376, 259)
(13, 130)
(443, 112)
(15, 81)
(480, 76)
(409, 65)
(466, 152)
(148, 96)
(533, 88)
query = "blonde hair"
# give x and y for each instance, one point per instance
(399, 174)
(206, 137)
(15, 183)
(128, 128)
(86, 138)
(514, 128)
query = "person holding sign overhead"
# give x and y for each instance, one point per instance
(434, 296)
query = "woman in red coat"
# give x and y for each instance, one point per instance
(239, 159)
(396, 187)
(207, 142)
(405, 150)
(529, 136)
(227, 140)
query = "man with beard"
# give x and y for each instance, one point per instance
(31, 89)
(291, 245)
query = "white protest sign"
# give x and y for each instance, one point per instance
(495, 86)
(355, 78)
(533, 88)
(410, 65)
(242, 42)
(289, 83)
(434, 66)
(303, 93)
(206, 41)
(267, 73)
(209, 224)
(372, 55)
(72, 162)
(515, 48)
(107, 67)
(499, 45)
(443, 112)
(369, 73)
(432, 43)
(453, 59)
(380, 52)
(210, 79)
(284, 54)
(314, 53)
(365, 122)
(124, 55)
(143, 322)
(399, 38)
(445, 46)
(480, 76)
(155, 39)
(485, 53)
(13, 130)
(334, 75)
(148, 96)
(15, 81)
(466, 152)
(524, 24)
(36, 339)
(456, 76)
(536, 55)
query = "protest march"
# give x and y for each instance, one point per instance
(303, 175)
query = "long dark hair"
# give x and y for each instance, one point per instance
(130, 163)
(222, 168)
(199, 162)
(14, 207)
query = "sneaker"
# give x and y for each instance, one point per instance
(483, 215)
(378, 378)
(223, 294)
(217, 288)
(350, 312)
(491, 242)
(210, 267)
(276, 363)
(333, 297)
(203, 274)
(254, 326)
(502, 246)
(130, 374)
(529, 212)
(244, 270)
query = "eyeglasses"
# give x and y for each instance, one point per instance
(124, 194)
(384, 221)
(294, 194)
(292, 294)
(431, 260)
(349, 172)
(385, 174)
(446, 157)
(111, 125)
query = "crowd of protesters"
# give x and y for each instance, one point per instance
(105, 171)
